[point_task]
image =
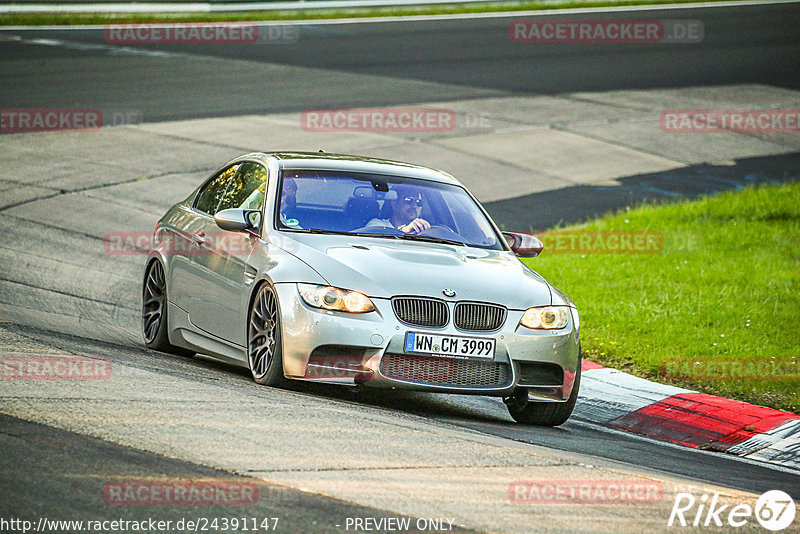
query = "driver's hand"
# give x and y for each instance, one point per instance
(417, 226)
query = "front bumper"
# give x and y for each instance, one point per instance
(368, 349)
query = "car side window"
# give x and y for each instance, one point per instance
(209, 197)
(247, 189)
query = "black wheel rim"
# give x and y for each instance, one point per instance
(153, 301)
(262, 332)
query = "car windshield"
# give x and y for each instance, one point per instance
(386, 206)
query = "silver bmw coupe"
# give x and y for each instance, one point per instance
(360, 271)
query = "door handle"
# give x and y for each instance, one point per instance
(199, 238)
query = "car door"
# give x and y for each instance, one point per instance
(188, 265)
(225, 257)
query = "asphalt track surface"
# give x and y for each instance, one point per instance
(64, 486)
(403, 63)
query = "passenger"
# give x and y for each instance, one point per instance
(288, 214)
(288, 197)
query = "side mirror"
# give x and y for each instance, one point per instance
(524, 245)
(239, 220)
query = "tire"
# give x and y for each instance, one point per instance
(155, 322)
(543, 413)
(264, 338)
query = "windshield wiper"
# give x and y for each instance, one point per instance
(410, 237)
(432, 239)
(322, 231)
(339, 232)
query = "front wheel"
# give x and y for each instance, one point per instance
(264, 347)
(543, 413)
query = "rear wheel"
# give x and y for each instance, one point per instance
(155, 323)
(264, 347)
(543, 413)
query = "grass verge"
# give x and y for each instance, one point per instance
(716, 309)
(42, 19)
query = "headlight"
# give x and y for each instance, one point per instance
(546, 317)
(334, 298)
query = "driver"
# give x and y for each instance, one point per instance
(405, 211)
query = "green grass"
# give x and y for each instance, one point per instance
(38, 19)
(725, 287)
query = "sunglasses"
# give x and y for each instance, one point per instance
(411, 200)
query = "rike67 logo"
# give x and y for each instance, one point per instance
(774, 510)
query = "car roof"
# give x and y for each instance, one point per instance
(353, 163)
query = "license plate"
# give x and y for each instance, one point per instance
(455, 346)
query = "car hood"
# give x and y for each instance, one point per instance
(384, 268)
